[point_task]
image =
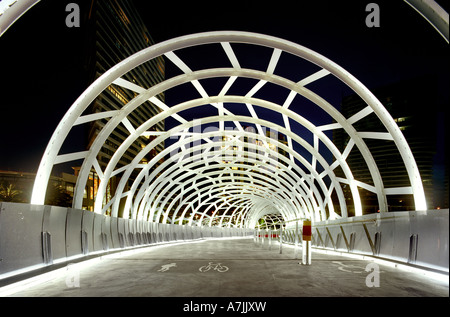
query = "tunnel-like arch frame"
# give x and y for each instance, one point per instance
(265, 179)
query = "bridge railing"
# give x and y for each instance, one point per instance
(415, 237)
(419, 238)
(35, 236)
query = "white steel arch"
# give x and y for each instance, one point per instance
(155, 190)
(226, 39)
(204, 160)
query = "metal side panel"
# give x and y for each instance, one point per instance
(169, 233)
(175, 232)
(122, 229)
(87, 227)
(130, 230)
(188, 235)
(432, 230)
(195, 232)
(54, 223)
(97, 239)
(361, 244)
(141, 231)
(150, 232)
(334, 231)
(73, 232)
(20, 236)
(386, 228)
(159, 234)
(402, 233)
(107, 241)
(114, 233)
(162, 232)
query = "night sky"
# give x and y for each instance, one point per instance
(42, 60)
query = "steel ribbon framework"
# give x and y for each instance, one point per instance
(224, 180)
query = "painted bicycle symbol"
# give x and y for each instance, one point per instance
(214, 266)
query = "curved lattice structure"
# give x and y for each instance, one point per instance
(225, 167)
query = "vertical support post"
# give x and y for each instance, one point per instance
(281, 239)
(306, 244)
(270, 239)
(262, 237)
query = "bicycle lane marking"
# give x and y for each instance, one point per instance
(190, 267)
(214, 266)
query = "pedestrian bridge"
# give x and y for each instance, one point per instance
(228, 270)
(55, 251)
(246, 165)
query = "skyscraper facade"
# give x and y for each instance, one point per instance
(116, 31)
(413, 106)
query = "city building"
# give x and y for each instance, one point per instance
(415, 109)
(17, 186)
(117, 31)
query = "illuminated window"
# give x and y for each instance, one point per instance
(118, 94)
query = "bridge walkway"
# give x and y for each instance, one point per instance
(247, 269)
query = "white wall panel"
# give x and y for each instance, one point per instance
(97, 242)
(20, 236)
(73, 232)
(87, 226)
(54, 222)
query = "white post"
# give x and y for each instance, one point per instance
(262, 237)
(281, 239)
(306, 244)
(270, 239)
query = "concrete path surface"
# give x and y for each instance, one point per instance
(231, 268)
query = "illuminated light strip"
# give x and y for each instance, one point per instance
(21, 271)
